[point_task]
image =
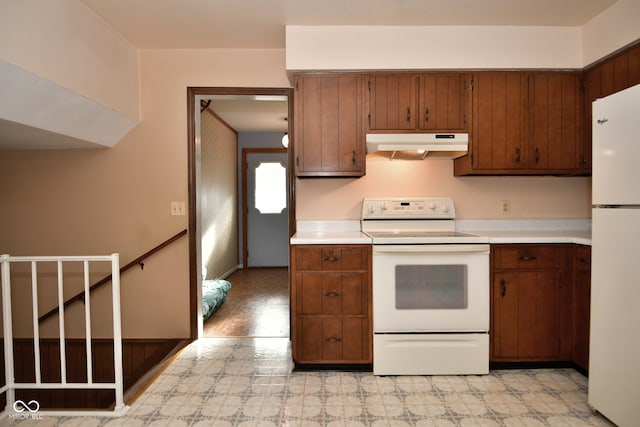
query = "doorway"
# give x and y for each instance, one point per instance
(194, 96)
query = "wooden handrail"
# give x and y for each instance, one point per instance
(106, 279)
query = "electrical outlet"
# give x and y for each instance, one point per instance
(177, 208)
(505, 207)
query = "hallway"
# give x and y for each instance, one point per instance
(257, 305)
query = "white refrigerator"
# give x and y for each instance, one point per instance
(614, 356)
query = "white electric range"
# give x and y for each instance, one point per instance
(430, 289)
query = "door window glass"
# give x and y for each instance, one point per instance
(431, 287)
(271, 187)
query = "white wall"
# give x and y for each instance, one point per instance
(218, 196)
(436, 47)
(67, 79)
(445, 47)
(614, 28)
(64, 42)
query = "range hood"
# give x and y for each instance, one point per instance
(417, 146)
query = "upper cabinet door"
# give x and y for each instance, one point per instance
(392, 102)
(442, 102)
(328, 129)
(499, 134)
(555, 122)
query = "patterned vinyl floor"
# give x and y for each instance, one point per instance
(249, 382)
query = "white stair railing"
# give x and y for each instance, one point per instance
(31, 408)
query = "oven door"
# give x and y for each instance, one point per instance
(430, 288)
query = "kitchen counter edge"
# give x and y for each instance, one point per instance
(348, 232)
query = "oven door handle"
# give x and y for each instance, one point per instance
(424, 249)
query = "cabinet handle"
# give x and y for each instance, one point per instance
(585, 260)
(332, 294)
(330, 258)
(602, 121)
(353, 157)
(426, 114)
(517, 157)
(408, 114)
(333, 339)
(537, 154)
(503, 286)
(528, 258)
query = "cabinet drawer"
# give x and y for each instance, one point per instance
(332, 293)
(324, 258)
(526, 256)
(332, 340)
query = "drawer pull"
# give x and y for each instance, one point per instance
(528, 258)
(332, 294)
(333, 339)
(331, 258)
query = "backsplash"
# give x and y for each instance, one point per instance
(474, 197)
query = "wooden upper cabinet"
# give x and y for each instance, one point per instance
(442, 102)
(525, 124)
(328, 130)
(392, 102)
(407, 102)
(500, 124)
(555, 120)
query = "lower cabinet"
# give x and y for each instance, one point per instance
(526, 316)
(530, 295)
(331, 304)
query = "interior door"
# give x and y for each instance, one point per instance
(267, 210)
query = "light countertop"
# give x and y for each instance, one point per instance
(576, 231)
(329, 232)
(579, 237)
(498, 231)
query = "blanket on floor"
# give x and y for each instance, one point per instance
(214, 294)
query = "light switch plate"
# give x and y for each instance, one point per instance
(177, 208)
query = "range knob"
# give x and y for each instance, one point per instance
(445, 208)
(371, 209)
(383, 206)
(432, 206)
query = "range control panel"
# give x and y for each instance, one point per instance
(408, 208)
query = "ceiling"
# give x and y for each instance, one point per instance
(260, 24)
(248, 113)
